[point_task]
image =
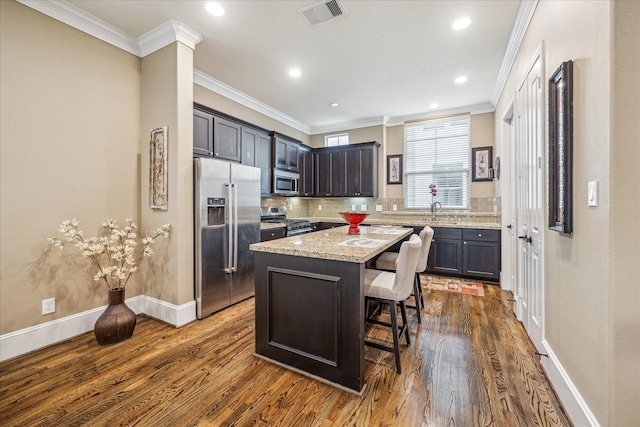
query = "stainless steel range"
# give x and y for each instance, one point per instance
(279, 215)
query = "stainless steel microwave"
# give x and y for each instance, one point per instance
(285, 183)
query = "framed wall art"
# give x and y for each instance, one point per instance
(158, 169)
(394, 169)
(561, 149)
(481, 164)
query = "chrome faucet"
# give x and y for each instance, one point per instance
(434, 209)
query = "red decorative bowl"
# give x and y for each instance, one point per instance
(354, 218)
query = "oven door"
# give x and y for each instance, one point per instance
(285, 183)
(299, 231)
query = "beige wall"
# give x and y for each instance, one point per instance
(69, 147)
(586, 322)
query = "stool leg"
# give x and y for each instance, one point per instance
(417, 296)
(403, 313)
(419, 289)
(396, 338)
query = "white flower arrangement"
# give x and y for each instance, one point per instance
(113, 252)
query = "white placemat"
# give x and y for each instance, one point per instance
(363, 243)
(388, 231)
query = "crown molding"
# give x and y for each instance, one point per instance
(161, 36)
(81, 20)
(166, 34)
(525, 14)
(227, 91)
(354, 124)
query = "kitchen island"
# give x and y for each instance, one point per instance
(309, 298)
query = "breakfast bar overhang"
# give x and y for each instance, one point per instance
(309, 300)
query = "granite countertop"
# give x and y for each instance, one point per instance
(336, 243)
(417, 223)
(271, 225)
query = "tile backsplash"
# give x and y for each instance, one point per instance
(482, 209)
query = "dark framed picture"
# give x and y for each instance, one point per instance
(561, 149)
(394, 169)
(481, 164)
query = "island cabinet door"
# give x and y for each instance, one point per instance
(309, 316)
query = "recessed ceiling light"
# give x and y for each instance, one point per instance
(294, 72)
(461, 23)
(215, 9)
(334, 104)
(434, 105)
(460, 79)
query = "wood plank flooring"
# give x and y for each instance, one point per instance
(470, 363)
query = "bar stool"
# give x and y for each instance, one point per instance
(391, 288)
(387, 261)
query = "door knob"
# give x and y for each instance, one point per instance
(509, 226)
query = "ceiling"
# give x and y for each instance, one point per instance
(380, 59)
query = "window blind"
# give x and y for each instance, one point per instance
(437, 152)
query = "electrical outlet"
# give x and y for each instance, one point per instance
(319, 207)
(353, 208)
(378, 208)
(48, 306)
(394, 207)
(363, 208)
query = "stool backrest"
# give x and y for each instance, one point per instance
(406, 267)
(426, 235)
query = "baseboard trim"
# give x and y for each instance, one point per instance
(33, 338)
(568, 393)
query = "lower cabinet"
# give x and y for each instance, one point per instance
(465, 252)
(273, 233)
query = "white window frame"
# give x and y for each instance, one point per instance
(340, 139)
(455, 170)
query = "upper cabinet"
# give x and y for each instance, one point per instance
(286, 152)
(202, 133)
(218, 135)
(329, 173)
(361, 170)
(307, 167)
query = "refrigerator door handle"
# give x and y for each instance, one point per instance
(230, 242)
(234, 266)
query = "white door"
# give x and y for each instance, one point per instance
(508, 183)
(530, 215)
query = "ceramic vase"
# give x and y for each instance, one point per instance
(117, 322)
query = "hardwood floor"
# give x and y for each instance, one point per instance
(469, 364)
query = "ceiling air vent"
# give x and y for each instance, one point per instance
(321, 12)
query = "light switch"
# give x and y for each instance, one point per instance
(378, 208)
(394, 207)
(319, 207)
(592, 193)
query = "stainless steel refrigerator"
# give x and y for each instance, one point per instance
(227, 221)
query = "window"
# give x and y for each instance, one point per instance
(437, 152)
(339, 139)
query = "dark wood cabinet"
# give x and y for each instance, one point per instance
(360, 170)
(263, 161)
(445, 254)
(249, 143)
(227, 137)
(481, 253)
(256, 151)
(273, 233)
(329, 174)
(202, 133)
(465, 252)
(307, 169)
(285, 152)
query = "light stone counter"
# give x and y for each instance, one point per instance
(325, 244)
(271, 225)
(459, 223)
